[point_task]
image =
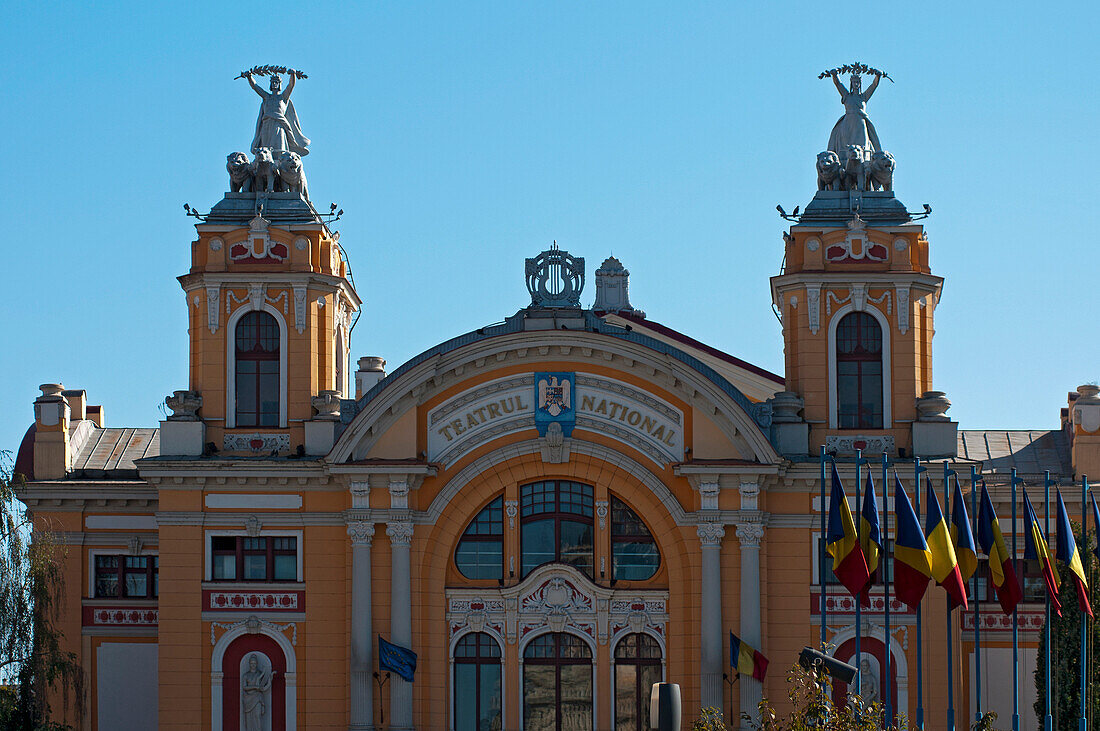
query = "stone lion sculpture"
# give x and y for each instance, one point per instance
(855, 169)
(291, 174)
(240, 172)
(263, 170)
(880, 171)
(828, 171)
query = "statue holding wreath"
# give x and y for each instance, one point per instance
(277, 126)
(855, 127)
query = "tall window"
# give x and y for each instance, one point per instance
(132, 577)
(265, 558)
(634, 554)
(257, 370)
(637, 668)
(477, 688)
(557, 684)
(859, 372)
(480, 552)
(556, 525)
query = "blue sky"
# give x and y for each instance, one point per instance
(462, 137)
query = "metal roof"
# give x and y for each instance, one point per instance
(111, 452)
(1031, 452)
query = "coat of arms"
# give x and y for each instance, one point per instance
(555, 394)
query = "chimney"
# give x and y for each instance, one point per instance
(372, 369)
(51, 439)
(77, 398)
(1085, 447)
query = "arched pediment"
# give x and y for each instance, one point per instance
(495, 371)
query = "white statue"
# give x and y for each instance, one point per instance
(255, 685)
(277, 125)
(868, 682)
(854, 128)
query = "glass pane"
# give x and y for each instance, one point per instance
(106, 583)
(255, 568)
(634, 560)
(490, 521)
(540, 647)
(225, 567)
(136, 585)
(650, 674)
(286, 567)
(574, 497)
(576, 545)
(626, 698)
(539, 698)
(537, 541)
(571, 647)
(624, 521)
(465, 697)
(480, 559)
(490, 718)
(576, 697)
(537, 498)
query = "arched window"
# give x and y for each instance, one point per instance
(477, 684)
(556, 525)
(637, 668)
(257, 370)
(557, 684)
(859, 372)
(480, 552)
(634, 555)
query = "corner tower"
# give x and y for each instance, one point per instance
(270, 303)
(857, 298)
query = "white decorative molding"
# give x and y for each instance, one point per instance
(710, 534)
(301, 243)
(256, 443)
(360, 494)
(832, 299)
(858, 293)
(813, 305)
(708, 492)
(257, 294)
(400, 532)
(254, 600)
(884, 297)
(252, 501)
(213, 307)
(903, 307)
(813, 244)
(901, 244)
(601, 512)
(300, 307)
(750, 533)
(361, 532)
(253, 625)
(511, 509)
(252, 526)
(216, 244)
(750, 492)
(275, 300)
(125, 616)
(875, 444)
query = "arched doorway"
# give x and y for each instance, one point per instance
(235, 663)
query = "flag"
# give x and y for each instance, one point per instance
(400, 660)
(746, 660)
(912, 559)
(1035, 549)
(945, 567)
(1095, 523)
(870, 537)
(961, 535)
(1065, 549)
(842, 544)
(1001, 564)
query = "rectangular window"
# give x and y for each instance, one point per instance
(241, 558)
(129, 577)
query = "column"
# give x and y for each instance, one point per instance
(750, 533)
(362, 637)
(710, 536)
(401, 692)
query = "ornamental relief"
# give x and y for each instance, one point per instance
(559, 598)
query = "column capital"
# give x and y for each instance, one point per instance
(749, 489)
(400, 532)
(361, 532)
(360, 493)
(710, 534)
(750, 533)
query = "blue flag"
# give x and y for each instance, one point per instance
(398, 659)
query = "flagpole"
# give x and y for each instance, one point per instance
(1048, 720)
(917, 469)
(1015, 623)
(1084, 617)
(821, 554)
(947, 472)
(977, 610)
(887, 567)
(859, 545)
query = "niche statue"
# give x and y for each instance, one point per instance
(255, 685)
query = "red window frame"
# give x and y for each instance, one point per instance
(563, 501)
(479, 649)
(241, 546)
(859, 341)
(256, 341)
(126, 565)
(636, 649)
(562, 649)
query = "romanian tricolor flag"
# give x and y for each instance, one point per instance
(1035, 549)
(870, 537)
(945, 567)
(912, 559)
(842, 544)
(961, 535)
(1001, 565)
(746, 660)
(1065, 549)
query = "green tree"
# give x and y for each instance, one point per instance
(32, 661)
(1065, 649)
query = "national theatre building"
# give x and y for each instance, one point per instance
(552, 512)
